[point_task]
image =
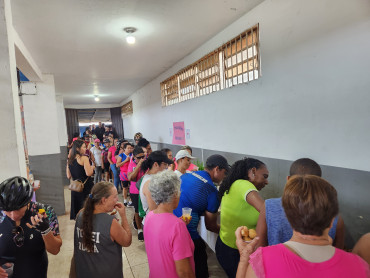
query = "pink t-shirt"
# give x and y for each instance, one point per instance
(278, 261)
(166, 240)
(113, 150)
(131, 168)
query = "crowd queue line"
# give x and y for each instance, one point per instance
(300, 234)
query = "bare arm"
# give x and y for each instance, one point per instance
(210, 220)
(362, 247)
(121, 233)
(245, 250)
(255, 200)
(152, 205)
(102, 160)
(339, 234)
(132, 175)
(183, 268)
(110, 157)
(89, 170)
(52, 243)
(262, 228)
(68, 173)
(120, 162)
(250, 273)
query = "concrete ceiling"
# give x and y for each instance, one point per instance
(94, 115)
(82, 43)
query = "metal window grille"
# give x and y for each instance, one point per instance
(127, 109)
(235, 62)
(187, 83)
(241, 58)
(170, 91)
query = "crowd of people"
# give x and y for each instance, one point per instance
(300, 234)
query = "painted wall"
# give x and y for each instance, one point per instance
(47, 155)
(12, 159)
(62, 124)
(41, 119)
(312, 99)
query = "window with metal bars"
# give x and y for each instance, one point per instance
(235, 62)
(126, 109)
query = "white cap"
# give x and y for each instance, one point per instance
(182, 154)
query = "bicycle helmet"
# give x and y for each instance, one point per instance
(15, 193)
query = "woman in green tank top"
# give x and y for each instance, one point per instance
(240, 206)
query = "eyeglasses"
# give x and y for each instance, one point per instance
(18, 236)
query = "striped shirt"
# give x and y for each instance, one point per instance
(199, 193)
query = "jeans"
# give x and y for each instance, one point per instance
(115, 175)
(227, 257)
(98, 172)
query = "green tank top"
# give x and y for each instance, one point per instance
(236, 212)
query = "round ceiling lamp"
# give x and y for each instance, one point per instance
(130, 37)
(97, 98)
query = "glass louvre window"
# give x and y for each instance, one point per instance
(209, 74)
(187, 83)
(241, 58)
(235, 62)
(170, 91)
(126, 109)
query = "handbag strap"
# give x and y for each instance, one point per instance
(85, 180)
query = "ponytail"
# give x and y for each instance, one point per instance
(147, 164)
(99, 191)
(239, 171)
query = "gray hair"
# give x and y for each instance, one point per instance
(164, 186)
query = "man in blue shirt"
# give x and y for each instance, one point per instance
(273, 226)
(200, 194)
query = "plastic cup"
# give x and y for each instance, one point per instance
(8, 267)
(186, 212)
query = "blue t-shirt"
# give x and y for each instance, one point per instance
(278, 226)
(199, 193)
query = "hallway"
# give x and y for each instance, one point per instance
(135, 262)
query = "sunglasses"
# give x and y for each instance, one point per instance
(18, 237)
(140, 157)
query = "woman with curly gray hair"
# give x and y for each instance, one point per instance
(167, 241)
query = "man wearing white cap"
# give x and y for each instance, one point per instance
(183, 160)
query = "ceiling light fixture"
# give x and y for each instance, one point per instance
(97, 98)
(130, 38)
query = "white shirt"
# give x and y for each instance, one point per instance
(144, 202)
(179, 174)
(96, 151)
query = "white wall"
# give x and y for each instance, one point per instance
(12, 159)
(62, 124)
(312, 99)
(40, 112)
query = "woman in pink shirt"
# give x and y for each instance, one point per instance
(112, 161)
(168, 244)
(310, 204)
(134, 173)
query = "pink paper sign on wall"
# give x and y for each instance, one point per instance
(178, 133)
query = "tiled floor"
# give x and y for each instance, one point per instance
(135, 262)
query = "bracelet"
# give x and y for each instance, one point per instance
(48, 230)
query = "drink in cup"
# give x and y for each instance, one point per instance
(8, 267)
(186, 214)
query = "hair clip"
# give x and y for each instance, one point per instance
(90, 196)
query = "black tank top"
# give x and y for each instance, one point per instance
(77, 171)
